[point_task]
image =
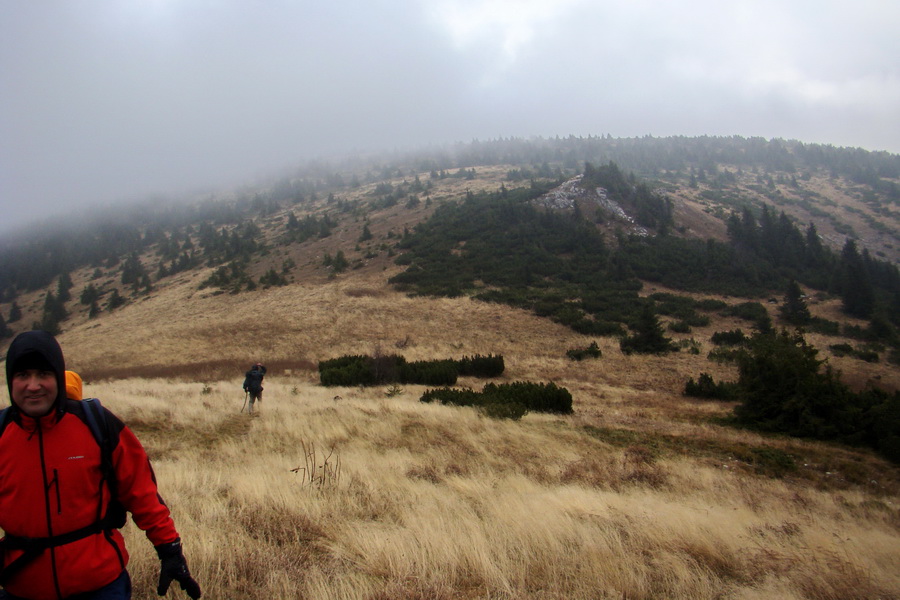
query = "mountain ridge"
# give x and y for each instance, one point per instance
(388, 199)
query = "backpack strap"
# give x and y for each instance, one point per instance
(95, 417)
(4, 418)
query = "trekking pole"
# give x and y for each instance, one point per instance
(246, 394)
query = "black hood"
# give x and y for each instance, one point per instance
(37, 347)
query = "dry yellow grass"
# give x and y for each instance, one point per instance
(375, 497)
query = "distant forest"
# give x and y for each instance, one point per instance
(554, 264)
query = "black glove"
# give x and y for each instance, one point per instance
(174, 566)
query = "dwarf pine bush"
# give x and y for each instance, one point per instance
(538, 397)
(508, 400)
(733, 337)
(705, 387)
(481, 366)
(385, 369)
(391, 368)
(592, 351)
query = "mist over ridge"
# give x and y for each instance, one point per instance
(115, 101)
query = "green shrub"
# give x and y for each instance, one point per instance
(711, 304)
(347, 371)
(784, 389)
(537, 397)
(462, 397)
(679, 326)
(385, 369)
(341, 362)
(869, 356)
(481, 366)
(841, 349)
(592, 351)
(508, 400)
(753, 312)
(734, 337)
(598, 327)
(390, 368)
(824, 326)
(697, 320)
(705, 387)
(429, 372)
(648, 335)
(884, 416)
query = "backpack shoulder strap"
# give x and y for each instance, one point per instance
(95, 417)
(4, 419)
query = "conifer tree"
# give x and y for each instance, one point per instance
(115, 300)
(53, 314)
(89, 295)
(854, 284)
(339, 263)
(15, 312)
(794, 309)
(782, 387)
(648, 335)
(63, 293)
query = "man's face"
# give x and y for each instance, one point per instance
(34, 391)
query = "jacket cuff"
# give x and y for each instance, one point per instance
(168, 550)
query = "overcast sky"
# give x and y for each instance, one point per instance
(103, 100)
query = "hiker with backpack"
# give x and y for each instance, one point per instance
(69, 471)
(253, 380)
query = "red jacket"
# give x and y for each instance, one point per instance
(51, 484)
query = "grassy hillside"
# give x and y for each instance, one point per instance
(364, 493)
(369, 493)
(641, 493)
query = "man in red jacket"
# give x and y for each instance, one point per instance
(58, 511)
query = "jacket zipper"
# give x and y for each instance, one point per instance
(55, 482)
(47, 508)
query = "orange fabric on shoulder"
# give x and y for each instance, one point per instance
(73, 385)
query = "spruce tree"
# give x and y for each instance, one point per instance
(53, 314)
(15, 312)
(648, 337)
(89, 295)
(782, 388)
(115, 300)
(794, 309)
(63, 293)
(854, 284)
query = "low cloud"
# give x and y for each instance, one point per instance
(115, 99)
